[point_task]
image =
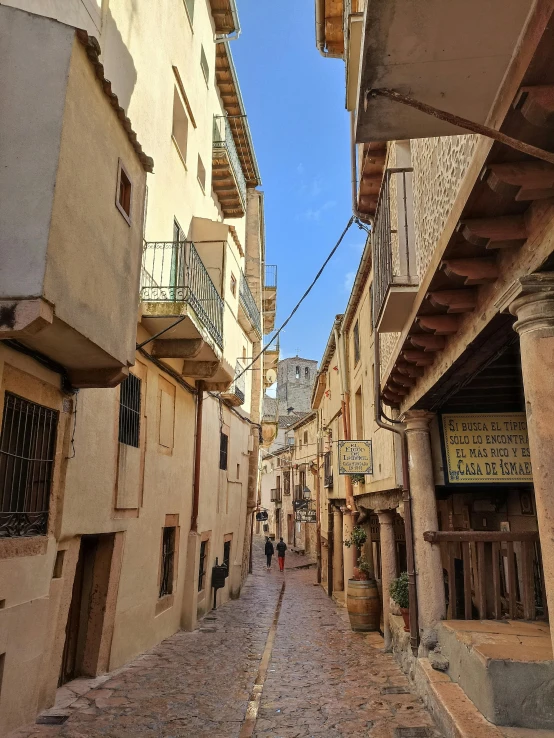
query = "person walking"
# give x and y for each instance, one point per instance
(281, 548)
(269, 551)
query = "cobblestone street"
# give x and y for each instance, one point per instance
(321, 679)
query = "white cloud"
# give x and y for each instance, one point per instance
(349, 281)
(315, 214)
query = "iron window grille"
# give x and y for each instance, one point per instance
(27, 450)
(129, 411)
(227, 555)
(327, 470)
(202, 564)
(223, 450)
(168, 561)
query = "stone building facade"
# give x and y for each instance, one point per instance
(443, 357)
(112, 510)
(295, 379)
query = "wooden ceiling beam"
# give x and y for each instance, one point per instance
(524, 180)
(419, 358)
(456, 301)
(474, 271)
(427, 342)
(536, 105)
(506, 231)
(440, 325)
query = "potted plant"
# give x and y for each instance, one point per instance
(357, 478)
(362, 601)
(399, 592)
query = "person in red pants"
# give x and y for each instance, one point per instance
(281, 548)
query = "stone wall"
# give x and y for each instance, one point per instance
(293, 391)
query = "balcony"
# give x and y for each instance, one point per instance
(177, 286)
(228, 180)
(395, 282)
(276, 495)
(271, 363)
(225, 17)
(236, 393)
(249, 314)
(269, 297)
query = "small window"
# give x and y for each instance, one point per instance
(202, 565)
(305, 438)
(180, 129)
(297, 373)
(27, 450)
(234, 286)
(223, 449)
(307, 373)
(201, 174)
(238, 471)
(189, 6)
(168, 562)
(227, 555)
(204, 65)
(129, 411)
(124, 193)
(356, 336)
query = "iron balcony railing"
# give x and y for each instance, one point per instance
(270, 276)
(172, 271)
(238, 388)
(393, 259)
(249, 304)
(223, 139)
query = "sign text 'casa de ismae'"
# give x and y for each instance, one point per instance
(486, 448)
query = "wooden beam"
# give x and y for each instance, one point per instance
(507, 231)
(427, 341)
(486, 536)
(396, 388)
(524, 180)
(409, 370)
(419, 358)
(536, 105)
(456, 301)
(402, 379)
(474, 271)
(440, 325)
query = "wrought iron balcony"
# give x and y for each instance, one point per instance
(228, 180)
(249, 306)
(237, 391)
(173, 272)
(395, 281)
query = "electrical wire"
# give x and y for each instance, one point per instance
(306, 293)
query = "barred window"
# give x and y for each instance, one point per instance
(129, 411)
(168, 562)
(27, 449)
(227, 555)
(223, 450)
(356, 343)
(202, 564)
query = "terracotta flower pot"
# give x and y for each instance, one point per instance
(405, 612)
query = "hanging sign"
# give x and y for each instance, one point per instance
(355, 457)
(306, 516)
(486, 448)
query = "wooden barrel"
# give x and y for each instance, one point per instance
(364, 605)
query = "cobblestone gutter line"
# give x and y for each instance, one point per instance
(251, 717)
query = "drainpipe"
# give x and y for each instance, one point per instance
(197, 457)
(406, 495)
(320, 31)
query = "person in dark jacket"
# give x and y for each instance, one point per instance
(269, 551)
(281, 548)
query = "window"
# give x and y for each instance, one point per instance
(201, 174)
(129, 411)
(27, 449)
(204, 64)
(286, 483)
(327, 469)
(297, 373)
(180, 129)
(238, 471)
(227, 555)
(168, 562)
(305, 438)
(307, 373)
(189, 5)
(356, 336)
(278, 461)
(202, 565)
(223, 449)
(302, 480)
(124, 193)
(234, 289)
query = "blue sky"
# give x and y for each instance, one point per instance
(295, 104)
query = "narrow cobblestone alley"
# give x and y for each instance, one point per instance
(321, 679)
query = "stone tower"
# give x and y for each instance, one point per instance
(295, 380)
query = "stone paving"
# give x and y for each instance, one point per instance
(322, 679)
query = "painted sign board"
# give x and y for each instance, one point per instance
(355, 457)
(486, 448)
(306, 516)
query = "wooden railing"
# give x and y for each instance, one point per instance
(491, 575)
